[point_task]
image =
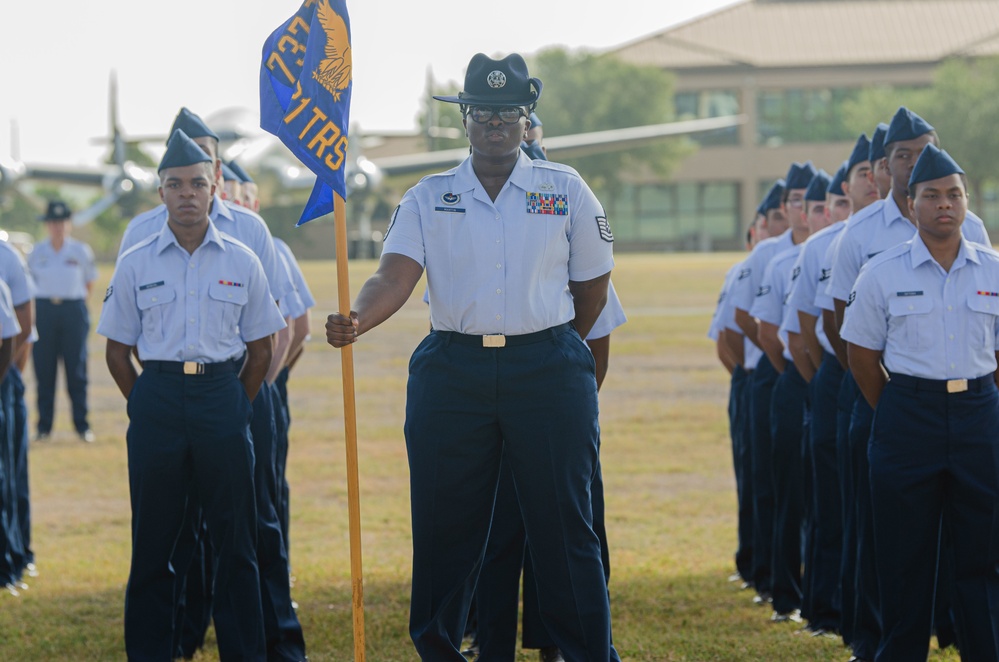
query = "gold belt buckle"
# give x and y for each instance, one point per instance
(193, 368)
(494, 340)
(957, 385)
(55, 301)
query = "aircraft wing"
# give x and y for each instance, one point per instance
(67, 174)
(561, 147)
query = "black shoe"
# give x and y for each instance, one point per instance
(550, 654)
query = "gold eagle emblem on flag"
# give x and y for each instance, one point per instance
(334, 71)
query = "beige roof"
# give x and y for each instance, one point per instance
(795, 33)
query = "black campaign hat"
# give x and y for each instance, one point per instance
(56, 211)
(497, 83)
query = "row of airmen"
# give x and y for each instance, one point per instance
(861, 336)
(216, 312)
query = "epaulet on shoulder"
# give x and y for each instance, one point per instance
(889, 254)
(865, 213)
(138, 246)
(991, 252)
(438, 175)
(229, 239)
(559, 167)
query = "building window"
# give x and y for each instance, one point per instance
(802, 116)
(705, 104)
(689, 216)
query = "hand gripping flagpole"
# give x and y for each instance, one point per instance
(350, 429)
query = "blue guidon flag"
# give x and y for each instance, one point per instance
(305, 85)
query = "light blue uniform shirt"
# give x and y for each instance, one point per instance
(9, 326)
(878, 227)
(297, 277)
(62, 274)
(717, 322)
(771, 299)
(291, 304)
(611, 317)
(14, 272)
(807, 285)
(503, 267)
(929, 323)
(233, 220)
(179, 307)
(747, 285)
(726, 319)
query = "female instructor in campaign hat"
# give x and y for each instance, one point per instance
(518, 254)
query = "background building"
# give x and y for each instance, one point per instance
(789, 66)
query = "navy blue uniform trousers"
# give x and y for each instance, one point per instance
(827, 518)
(867, 604)
(761, 393)
(12, 554)
(62, 334)
(933, 460)
(534, 404)
(787, 421)
(188, 435)
(738, 422)
(848, 495)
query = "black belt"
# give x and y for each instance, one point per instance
(192, 367)
(499, 340)
(944, 385)
(55, 301)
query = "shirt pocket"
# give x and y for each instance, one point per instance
(153, 306)
(910, 322)
(225, 307)
(982, 322)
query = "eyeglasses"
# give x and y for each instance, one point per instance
(482, 114)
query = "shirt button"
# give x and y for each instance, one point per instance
(499, 317)
(154, 299)
(499, 291)
(192, 322)
(229, 295)
(950, 307)
(952, 336)
(952, 366)
(497, 241)
(191, 293)
(190, 266)
(497, 217)
(499, 266)
(190, 346)
(910, 307)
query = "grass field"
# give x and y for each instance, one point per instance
(667, 470)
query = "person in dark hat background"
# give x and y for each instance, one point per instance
(923, 331)
(64, 272)
(188, 434)
(518, 254)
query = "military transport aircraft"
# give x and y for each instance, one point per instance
(260, 152)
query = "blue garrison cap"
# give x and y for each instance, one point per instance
(192, 125)
(836, 183)
(933, 163)
(182, 151)
(861, 152)
(800, 175)
(816, 191)
(878, 143)
(240, 173)
(906, 125)
(774, 195)
(535, 120)
(229, 175)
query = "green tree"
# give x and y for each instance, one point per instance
(584, 92)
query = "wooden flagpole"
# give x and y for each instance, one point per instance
(350, 428)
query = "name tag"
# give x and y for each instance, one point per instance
(451, 210)
(911, 293)
(149, 286)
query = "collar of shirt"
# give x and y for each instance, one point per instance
(220, 208)
(920, 254)
(891, 213)
(166, 238)
(465, 178)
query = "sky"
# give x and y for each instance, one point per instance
(57, 57)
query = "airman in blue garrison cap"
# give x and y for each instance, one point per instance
(926, 311)
(195, 306)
